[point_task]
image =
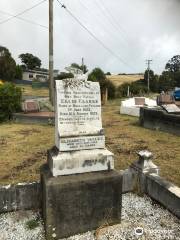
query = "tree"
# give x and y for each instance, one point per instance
(108, 73)
(97, 75)
(30, 61)
(173, 65)
(7, 65)
(166, 81)
(18, 74)
(64, 75)
(81, 67)
(153, 80)
(137, 88)
(10, 100)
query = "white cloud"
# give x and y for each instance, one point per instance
(133, 29)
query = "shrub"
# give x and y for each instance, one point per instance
(97, 75)
(64, 75)
(135, 88)
(111, 89)
(10, 100)
(7, 65)
(108, 73)
(32, 224)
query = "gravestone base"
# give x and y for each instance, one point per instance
(79, 203)
(82, 161)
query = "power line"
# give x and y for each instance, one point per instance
(102, 21)
(23, 19)
(26, 10)
(113, 18)
(106, 13)
(93, 35)
(109, 33)
(114, 22)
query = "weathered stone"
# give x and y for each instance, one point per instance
(164, 192)
(78, 108)
(79, 203)
(165, 99)
(65, 163)
(30, 106)
(145, 164)
(83, 142)
(132, 106)
(159, 119)
(79, 135)
(139, 100)
(22, 196)
(171, 108)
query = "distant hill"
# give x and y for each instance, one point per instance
(120, 79)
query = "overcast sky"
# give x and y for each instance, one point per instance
(134, 30)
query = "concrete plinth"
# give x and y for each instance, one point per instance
(79, 203)
(92, 160)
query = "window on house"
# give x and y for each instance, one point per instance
(30, 75)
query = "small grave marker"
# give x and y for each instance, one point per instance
(139, 101)
(30, 106)
(171, 108)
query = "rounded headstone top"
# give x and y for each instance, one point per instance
(145, 154)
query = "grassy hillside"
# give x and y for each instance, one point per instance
(120, 79)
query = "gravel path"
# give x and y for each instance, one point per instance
(141, 219)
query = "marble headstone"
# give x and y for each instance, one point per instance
(79, 136)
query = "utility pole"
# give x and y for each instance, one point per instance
(83, 64)
(51, 61)
(148, 62)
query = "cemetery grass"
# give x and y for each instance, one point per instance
(27, 90)
(124, 137)
(23, 147)
(23, 150)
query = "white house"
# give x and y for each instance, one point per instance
(41, 76)
(31, 75)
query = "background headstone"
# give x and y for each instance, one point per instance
(30, 106)
(171, 108)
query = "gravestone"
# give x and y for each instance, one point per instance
(81, 191)
(79, 135)
(171, 108)
(165, 99)
(30, 106)
(139, 100)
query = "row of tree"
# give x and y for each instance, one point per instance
(167, 81)
(169, 78)
(8, 68)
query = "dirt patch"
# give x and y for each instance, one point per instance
(3, 141)
(123, 135)
(28, 132)
(25, 164)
